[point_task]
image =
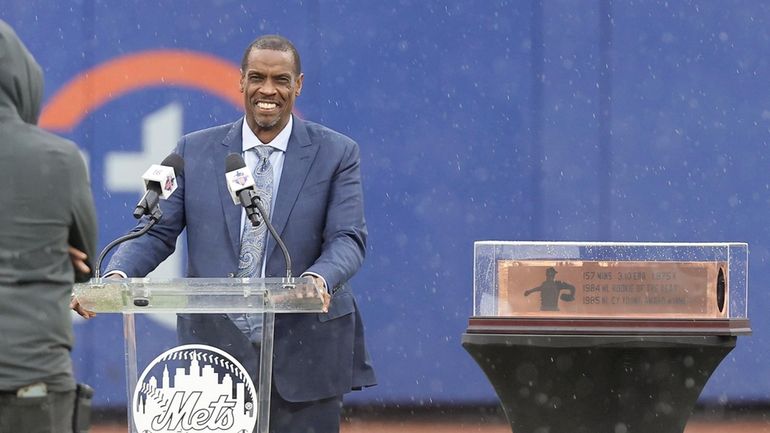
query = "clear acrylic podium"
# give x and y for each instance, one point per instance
(195, 387)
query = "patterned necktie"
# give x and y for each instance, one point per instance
(253, 241)
(253, 238)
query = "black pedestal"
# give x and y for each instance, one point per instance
(597, 383)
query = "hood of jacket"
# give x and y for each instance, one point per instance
(21, 78)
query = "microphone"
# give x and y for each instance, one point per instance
(241, 187)
(159, 182)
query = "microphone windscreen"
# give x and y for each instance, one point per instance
(174, 161)
(234, 161)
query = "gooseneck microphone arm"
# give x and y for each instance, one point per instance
(127, 237)
(258, 203)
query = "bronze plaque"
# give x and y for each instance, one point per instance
(612, 288)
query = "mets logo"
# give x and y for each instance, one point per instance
(93, 88)
(195, 388)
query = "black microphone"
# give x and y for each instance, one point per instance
(159, 183)
(240, 183)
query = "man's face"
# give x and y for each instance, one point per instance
(269, 85)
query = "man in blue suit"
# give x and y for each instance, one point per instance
(317, 210)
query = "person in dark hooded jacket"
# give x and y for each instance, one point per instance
(47, 209)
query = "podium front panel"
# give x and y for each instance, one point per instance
(176, 383)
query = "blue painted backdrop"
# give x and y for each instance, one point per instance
(501, 120)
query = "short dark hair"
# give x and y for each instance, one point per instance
(272, 42)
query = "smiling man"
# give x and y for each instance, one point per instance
(271, 80)
(311, 177)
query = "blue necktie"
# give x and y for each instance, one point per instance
(253, 241)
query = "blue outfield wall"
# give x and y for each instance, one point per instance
(482, 120)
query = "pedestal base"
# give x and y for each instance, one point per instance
(597, 383)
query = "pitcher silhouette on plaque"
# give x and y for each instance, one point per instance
(550, 292)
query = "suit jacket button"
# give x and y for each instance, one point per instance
(231, 275)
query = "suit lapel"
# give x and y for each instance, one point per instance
(231, 144)
(296, 166)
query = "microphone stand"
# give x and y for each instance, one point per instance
(256, 201)
(155, 216)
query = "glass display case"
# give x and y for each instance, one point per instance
(693, 285)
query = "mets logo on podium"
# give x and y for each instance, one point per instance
(195, 388)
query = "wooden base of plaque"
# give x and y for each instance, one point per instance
(607, 326)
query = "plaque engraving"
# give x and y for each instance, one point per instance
(612, 288)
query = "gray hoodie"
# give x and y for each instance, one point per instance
(46, 206)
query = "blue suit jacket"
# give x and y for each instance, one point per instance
(319, 215)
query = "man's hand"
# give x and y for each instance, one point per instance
(327, 299)
(84, 313)
(78, 259)
(76, 307)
